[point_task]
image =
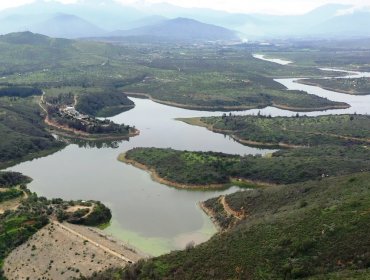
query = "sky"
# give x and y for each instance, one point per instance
(243, 6)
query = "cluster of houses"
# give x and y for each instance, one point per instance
(73, 113)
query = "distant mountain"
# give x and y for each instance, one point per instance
(67, 26)
(107, 14)
(181, 29)
(348, 25)
(91, 18)
(150, 20)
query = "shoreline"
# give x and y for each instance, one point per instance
(30, 157)
(212, 216)
(232, 108)
(305, 82)
(197, 122)
(155, 177)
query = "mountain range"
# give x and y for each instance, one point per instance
(97, 18)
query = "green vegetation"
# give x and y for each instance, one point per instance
(23, 134)
(99, 215)
(328, 146)
(283, 167)
(315, 229)
(19, 91)
(300, 131)
(17, 226)
(211, 77)
(343, 55)
(33, 212)
(10, 179)
(93, 101)
(65, 108)
(10, 194)
(104, 104)
(358, 86)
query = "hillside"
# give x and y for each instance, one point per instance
(316, 229)
(66, 26)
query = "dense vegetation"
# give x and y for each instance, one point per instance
(301, 131)
(283, 167)
(358, 86)
(10, 194)
(19, 91)
(17, 226)
(22, 130)
(104, 104)
(329, 146)
(10, 179)
(93, 101)
(315, 229)
(99, 215)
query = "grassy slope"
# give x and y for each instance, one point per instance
(22, 131)
(292, 231)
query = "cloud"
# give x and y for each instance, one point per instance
(252, 6)
(239, 6)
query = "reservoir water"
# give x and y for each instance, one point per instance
(152, 217)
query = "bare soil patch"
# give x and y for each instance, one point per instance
(64, 251)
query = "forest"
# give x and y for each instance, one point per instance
(282, 167)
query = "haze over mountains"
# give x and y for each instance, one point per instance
(107, 18)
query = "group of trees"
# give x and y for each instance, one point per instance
(10, 179)
(19, 91)
(22, 130)
(284, 167)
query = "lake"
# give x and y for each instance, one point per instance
(152, 217)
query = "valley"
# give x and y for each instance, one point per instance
(236, 133)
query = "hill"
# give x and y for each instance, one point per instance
(314, 230)
(66, 26)
(182, 29)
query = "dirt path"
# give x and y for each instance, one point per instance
(12, 204)
(240, 215)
